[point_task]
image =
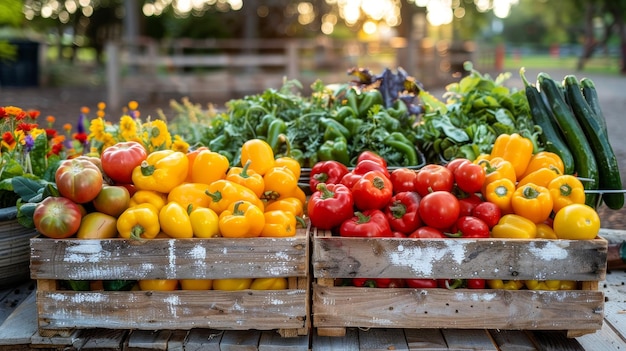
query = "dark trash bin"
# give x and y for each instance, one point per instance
(23, 71)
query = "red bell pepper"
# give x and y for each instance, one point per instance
(372, 156)
(421, 283)
(349, 179)
(402, 212)
(370, 165)
(370, 223)
(470, 227)
(372, 191)
(330, 205)
(329, 172)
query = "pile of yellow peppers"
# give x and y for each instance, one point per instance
(530, 188)
(198, 194)
(226, 284)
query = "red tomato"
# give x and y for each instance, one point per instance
(439, 209)
(78, 180)
(119, 160)
(433, 177)
(454, 164)
(427, 233)
(469, 177)
(403, 179)
(57, 217)
(489, 212)
(468, 204)
(472, 227)
(372, 156)
(112, 200)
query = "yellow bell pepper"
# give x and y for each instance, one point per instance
(193, 194)
(139, 222)
(204, 222)
(155, 198)
(533, 202)
(541, 177)
(543, 284)
(514, 226)
(232, 284)
(196, 284)
(158, 284)
(278, 182)
(545, 231)
(565, 190)
(279, 224)
(505, 284)
(497, 168)
(288, 204)
(247, 177)
(174, 221)
(568, 285)
(223, 193)
(482, 157)
(241, 220)
(291, 163)
(209, 166)
(161, 171)
(545, 159)
(260, 153)
(191, 157)
(514, 148)
(269, 284)
(297, 192)
(500, 192)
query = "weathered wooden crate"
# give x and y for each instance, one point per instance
(578, 312)
(59, 311)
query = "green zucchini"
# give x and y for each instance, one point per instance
(608, 168)
(550, 136)
(586, 166)
(591, 96)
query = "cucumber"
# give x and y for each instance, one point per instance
(550, 136)
(591, 96)
(586, 166)
(608, 168)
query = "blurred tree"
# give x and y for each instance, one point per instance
(9, 18)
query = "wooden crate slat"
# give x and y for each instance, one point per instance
(151, 310)
(540, 259)
(169, 258)
(461, 308)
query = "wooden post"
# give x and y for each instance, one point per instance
(113, 75)
(292, 59)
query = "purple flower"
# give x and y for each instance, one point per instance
(29, 142)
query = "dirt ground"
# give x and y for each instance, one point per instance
(65, 104)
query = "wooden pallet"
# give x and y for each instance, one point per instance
(335, 308)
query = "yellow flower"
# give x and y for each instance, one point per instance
(159, 137)
(128, 128)
(180, 145)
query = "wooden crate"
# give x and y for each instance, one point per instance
(578, 312)
(59, 311)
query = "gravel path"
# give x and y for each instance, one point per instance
(65, 104)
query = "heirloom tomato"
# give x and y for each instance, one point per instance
(78, 180)
(469, 177)
(439, 209)
(119, 160)
(433, 177)
(112, 200)
(97, 225)
(57, 217)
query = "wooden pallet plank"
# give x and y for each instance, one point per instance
(239, 340)
(203, 340)
(555, 341)
(177, 339)
(104, 339)
(468, 339)
(605, 339)
(21, 325)
(382, 339)
(272, 341)
(425, 340)
(140, 340)
(614, 288)
(349, 341)
(512, 340)
(12, 297)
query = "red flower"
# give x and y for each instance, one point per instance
(33, 114)
(26, 127)
(81, 137)
(7, 137)
(3, 112)
(56, 149)
(20, 116)
(51, 133)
